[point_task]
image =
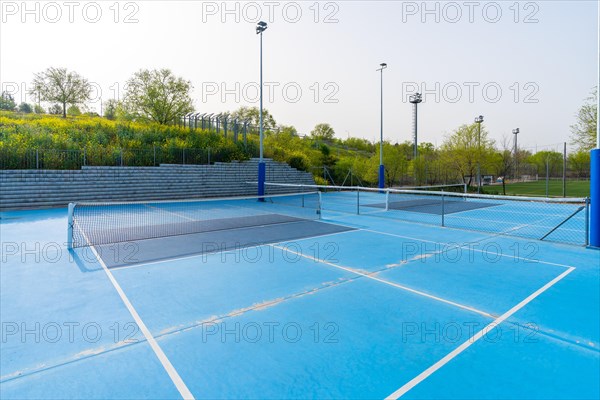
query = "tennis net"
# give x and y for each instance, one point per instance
(97, 223)
(564, 220)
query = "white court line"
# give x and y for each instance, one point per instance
(429, 371)
(162, 357)
(169, 212)
(396, 285)
(467, 246)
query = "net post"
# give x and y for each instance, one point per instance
(387, 200)
(319, 208)
(587, 221)
(443, 210)
(70, 226)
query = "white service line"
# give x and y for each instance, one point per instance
(429, 371)
(162, 357)
(467, 246)
(169, 212)
(396, 285)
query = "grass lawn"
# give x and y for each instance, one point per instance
(538, 188)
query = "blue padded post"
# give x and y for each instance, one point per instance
(595, 199)
(261, 179)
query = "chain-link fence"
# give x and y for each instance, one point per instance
(100, 156)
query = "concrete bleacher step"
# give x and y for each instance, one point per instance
(41, 189)
(52, 188)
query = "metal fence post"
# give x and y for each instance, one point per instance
(209, 156)
(154, 151)
(587, 221)
(547, 177)
(358, 201)
(84, 156)
(121, 150)
(183, 156)
(564, 176)
(37, 159)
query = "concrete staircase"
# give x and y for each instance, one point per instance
(23, 189)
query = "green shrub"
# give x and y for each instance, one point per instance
(298, 161)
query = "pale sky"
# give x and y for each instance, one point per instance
(520, 64)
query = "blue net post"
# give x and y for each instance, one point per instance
(261, 179)
(595, 199)
(381, 176)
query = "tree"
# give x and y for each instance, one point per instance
(462, 151)
(541, 159)
(423, 166)
(55, 109)
(7, 102)
(287, 130)
(110, 109)
(580, 163)
(503, 162)
(25, 108)
(38, 109)
(394, 160)
(322, 131)
(61, 86)
(327, 159)
(74, 111)
(584, 130)
(252, 114)
(158, 95)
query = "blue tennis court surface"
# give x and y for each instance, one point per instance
(366, 304)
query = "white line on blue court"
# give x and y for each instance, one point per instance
(429, 371)
(468, 246)
(169, 212)
(160, 354)
(396, 285)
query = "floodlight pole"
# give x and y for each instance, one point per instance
(479, 120)
(381, 167)
(260, 28)
(516, 132)
(415, 99)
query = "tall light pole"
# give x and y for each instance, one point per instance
(381, 167)
(478, 121)
(516, 132)
(260, 28)
(415, 99)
